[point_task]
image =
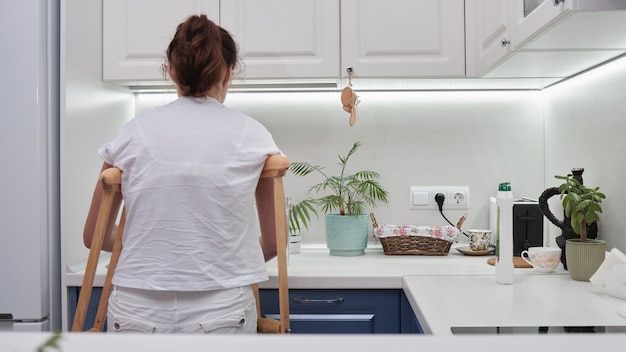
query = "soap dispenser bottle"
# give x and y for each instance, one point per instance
(504, 240)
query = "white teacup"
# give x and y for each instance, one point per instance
(479, 239)
(543, 259)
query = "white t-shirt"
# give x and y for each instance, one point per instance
(189, 175)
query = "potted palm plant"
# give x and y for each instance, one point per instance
(582, 205)
(343, 206)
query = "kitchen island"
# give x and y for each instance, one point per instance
(451, 294)
(81, 342)
(463, 304)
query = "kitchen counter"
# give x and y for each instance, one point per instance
(477, 304)
(453, 291)
(80, 342)
(315, 268)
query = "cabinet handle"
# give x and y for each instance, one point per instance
(307, 300)
(557, 2)
(504, 42)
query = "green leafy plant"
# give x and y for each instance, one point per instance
(349, 193)
(581, 204)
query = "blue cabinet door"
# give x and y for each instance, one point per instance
(409, 323)
(338, 311)
(90, 317)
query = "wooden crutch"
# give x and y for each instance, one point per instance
(275, 168)
(111, 180)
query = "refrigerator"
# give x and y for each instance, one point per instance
(30, 278)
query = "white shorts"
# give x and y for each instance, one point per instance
(229, 311)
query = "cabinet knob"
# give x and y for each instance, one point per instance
(505, 42)
(557, 2)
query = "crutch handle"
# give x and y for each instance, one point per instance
(275, 166)
(111, 179)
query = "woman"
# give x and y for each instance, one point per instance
(189, 174)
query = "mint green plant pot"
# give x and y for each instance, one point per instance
(346, 235)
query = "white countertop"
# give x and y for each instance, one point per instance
(315, 268)
(443, 302)
(81, 342)
(448, 291)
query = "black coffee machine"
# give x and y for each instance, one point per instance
(527, 224)
(566, 227)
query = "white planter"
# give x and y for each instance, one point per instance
(295, 244)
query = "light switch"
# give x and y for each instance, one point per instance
(420, 198)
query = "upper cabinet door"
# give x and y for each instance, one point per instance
(282, 39)
(488, 34)
(403, 38)
(531, 16)
(136, 34)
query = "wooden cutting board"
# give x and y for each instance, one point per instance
(518, 262)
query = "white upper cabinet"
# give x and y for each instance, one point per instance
(530, 16)
(550, 39)
(136, 34)
(295, 39)
(488, 34)
(285, 39)
(403, 38)
(312, 43)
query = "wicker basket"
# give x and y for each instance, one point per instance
(415, 245)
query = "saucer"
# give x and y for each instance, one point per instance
(468, 251)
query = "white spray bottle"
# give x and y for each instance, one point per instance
(504, 241)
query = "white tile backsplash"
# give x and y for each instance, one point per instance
(477, 139)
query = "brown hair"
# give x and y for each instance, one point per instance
(200, 54)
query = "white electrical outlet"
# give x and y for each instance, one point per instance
(459, 198)
(423, 197)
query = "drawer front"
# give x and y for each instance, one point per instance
(338, 311)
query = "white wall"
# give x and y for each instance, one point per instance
(477, 139)
(91, 114)
(586, 127)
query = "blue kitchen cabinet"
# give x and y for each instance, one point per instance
(72, 296)
(315, 311)
(408, 321)
(338, 311)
